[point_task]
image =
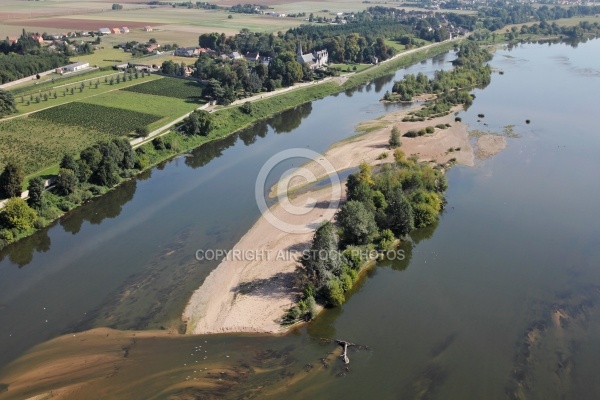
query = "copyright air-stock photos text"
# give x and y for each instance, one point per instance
(284, 221)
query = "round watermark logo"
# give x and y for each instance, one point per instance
(284, 220)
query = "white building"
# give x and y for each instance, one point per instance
(105, 31)
(76, 67)
(316, 59)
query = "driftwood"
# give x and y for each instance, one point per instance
(345, 345)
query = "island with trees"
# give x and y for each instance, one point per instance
(381, 207)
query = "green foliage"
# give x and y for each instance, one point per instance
(111, 120)
(17, 215)
(66, 181)
(357, 223)
(334, 293)
(385, 240)
(11, 180)
(36, 193)
(7, 103)
(198, 123)
(68, 162)
(399, 213)
(169, 87)
(247, 107)
(430, 129)
(395, 138)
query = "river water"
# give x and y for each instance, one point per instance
(498, 300)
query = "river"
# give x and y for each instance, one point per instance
(499, 299)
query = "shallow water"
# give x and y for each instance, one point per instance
(499, 300)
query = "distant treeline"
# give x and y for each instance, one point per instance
(499, 14)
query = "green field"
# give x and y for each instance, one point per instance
(168, 109)
(170, 87)
(36, 144)
(110, 120)
(350, 67)
(106, 57)
(63, 98)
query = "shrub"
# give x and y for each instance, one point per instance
(411, 134)
(457, 119)
(142, 131)
(334, 294)
(39, 223)
(430, 129)
(142, 161)
(247, 108)
(394, 141)
(18, 215)
(158, 144)
(441, 126)
(385, 239)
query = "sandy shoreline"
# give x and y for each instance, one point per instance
(253, 295)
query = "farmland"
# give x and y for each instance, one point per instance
(167, 109)
(37, 144)
(64, 95)
(110, 120)
(169, 87)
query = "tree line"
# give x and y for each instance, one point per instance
(96, 169)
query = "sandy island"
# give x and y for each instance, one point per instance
(253, 295)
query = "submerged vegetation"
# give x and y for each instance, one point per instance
(381, 207)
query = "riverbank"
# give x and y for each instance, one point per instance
(252, 295)
(231, 120)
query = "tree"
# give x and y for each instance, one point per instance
(169, 67)
(11, 180)
(66, 182)
(36, 193)
(7, 103)
(107, 173)
(399, 213)
(357, 222)
(18, 215)
(198, 123)
(395, 138)
(68, 162)
(323, 261)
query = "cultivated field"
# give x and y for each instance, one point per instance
(110, 120)
(37, 144)
(170, 87)
(168, 109)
